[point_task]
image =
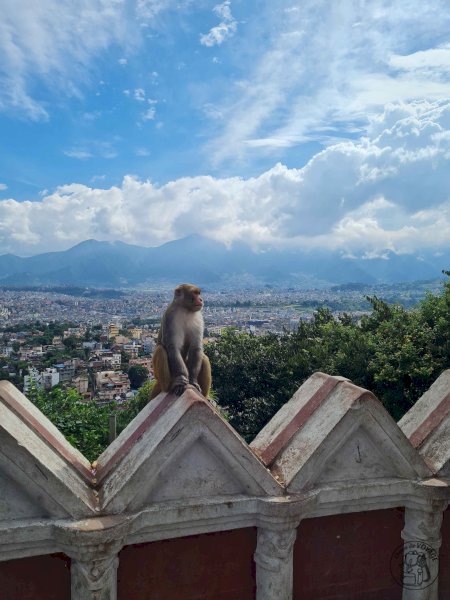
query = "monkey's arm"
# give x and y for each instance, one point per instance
(194, 363)
(171, 341)
(177, 366)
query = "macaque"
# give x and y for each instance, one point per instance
(178, 360)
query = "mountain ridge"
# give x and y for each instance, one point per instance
(197, 258)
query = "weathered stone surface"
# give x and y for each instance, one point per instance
(427, 425)
(334, 432)
(273, 557)
(179, 469)
(422, 540)
(93, 545)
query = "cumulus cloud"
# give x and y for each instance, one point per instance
(389, 191)
(226, 28)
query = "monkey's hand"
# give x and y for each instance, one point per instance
(178, 389)
(179, 385)
(196, 385)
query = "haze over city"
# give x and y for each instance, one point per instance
(296, 124)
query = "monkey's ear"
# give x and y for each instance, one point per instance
(178, 291)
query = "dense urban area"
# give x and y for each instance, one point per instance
(100, 342)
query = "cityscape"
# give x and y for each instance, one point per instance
(100, 342)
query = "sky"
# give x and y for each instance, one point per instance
(309, 124)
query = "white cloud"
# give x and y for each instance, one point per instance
(142, 152)
(226, 28)
(147, 10)
(53, 42)
(139, 95)
(105, 149)
(389, 191)
(3, 186)
(436, 58)
(78, 153)
(123, 61)
(149, 114)
(329, 64)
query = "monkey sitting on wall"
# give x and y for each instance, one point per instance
(178, 359)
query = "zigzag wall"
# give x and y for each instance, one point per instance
(332, 500)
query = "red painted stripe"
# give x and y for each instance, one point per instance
(270, 452)
(162, 407)
(434, 419)
(46, 435)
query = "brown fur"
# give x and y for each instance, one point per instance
(186, 298)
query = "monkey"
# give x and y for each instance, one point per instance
(178, 359)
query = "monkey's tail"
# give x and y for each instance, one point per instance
(161, 369)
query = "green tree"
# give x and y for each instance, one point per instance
(138, 375)
(394, 352)
(71, 342)
(252, 376)
(134, 406)
(84, 424)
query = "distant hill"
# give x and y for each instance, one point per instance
(199, 259)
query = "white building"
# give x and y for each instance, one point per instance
(43, 381)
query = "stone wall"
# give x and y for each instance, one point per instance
(332, 500)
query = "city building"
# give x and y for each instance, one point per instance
(149, 344)
(111, 386)
(143, 361)
(132, 349)
(81, 383)
(66, 370)
(44, 380)
(136, 333)
(113, 330)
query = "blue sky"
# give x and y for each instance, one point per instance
(301, 123)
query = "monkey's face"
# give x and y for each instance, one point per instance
(196, 301)
(189, 296)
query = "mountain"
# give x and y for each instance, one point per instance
(204, 261)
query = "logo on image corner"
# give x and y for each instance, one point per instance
(413, 565)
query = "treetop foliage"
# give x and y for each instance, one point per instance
(394, 352)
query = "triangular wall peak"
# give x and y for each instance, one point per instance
(333, 432)
(427, 425)
(41, 473)
(179, 448)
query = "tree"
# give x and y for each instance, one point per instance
(138, 375)
(252, 377)
(134, 406)
(394, 352)
(71, 342)
(84, 424)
